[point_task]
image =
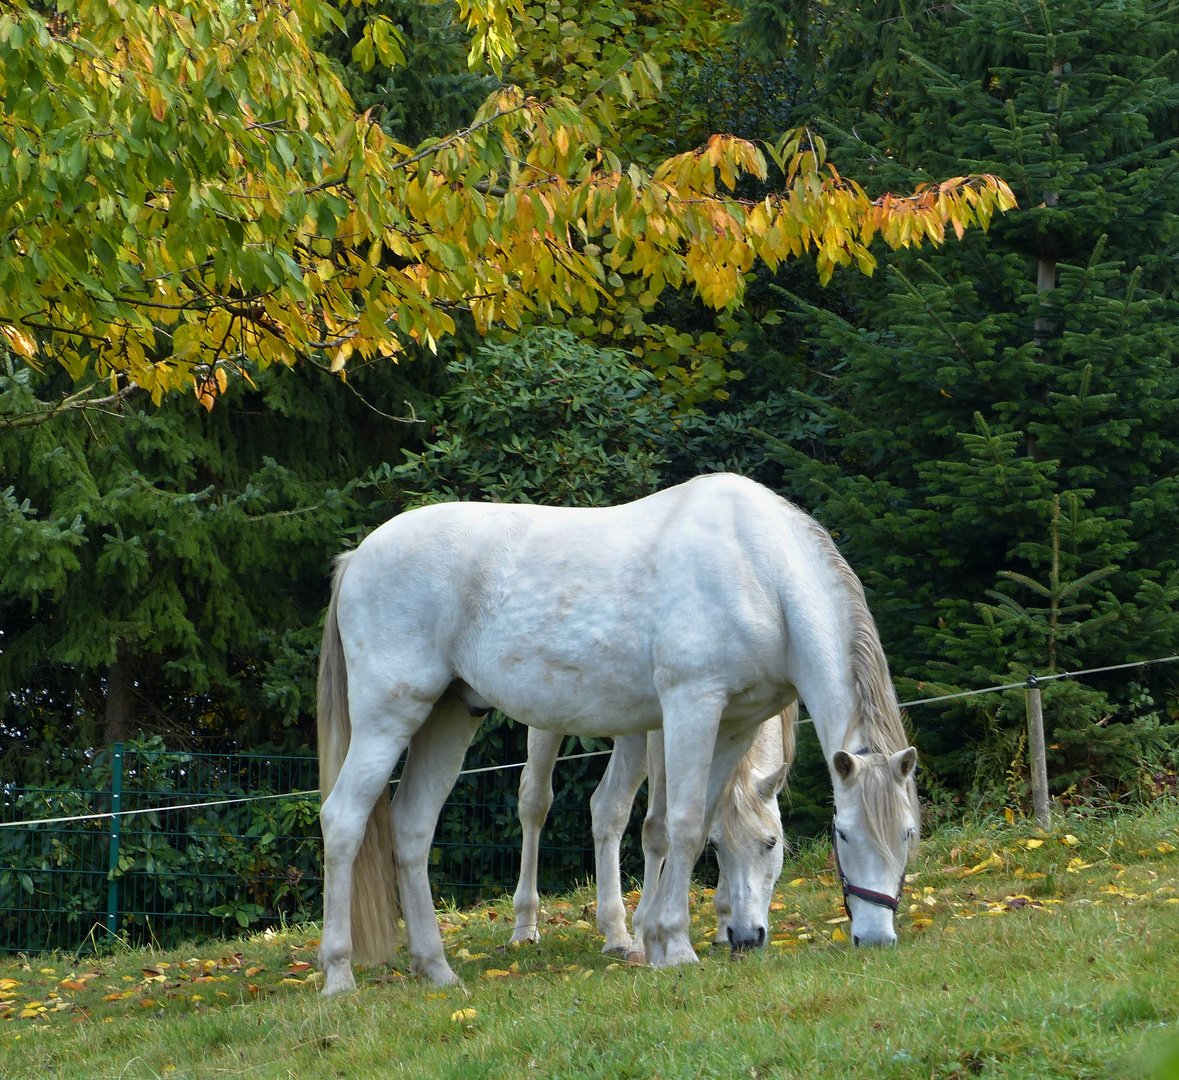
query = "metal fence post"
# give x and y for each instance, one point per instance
(1039, 758)
(112, 892)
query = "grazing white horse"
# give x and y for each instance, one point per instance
(746, 832)
(699, 610)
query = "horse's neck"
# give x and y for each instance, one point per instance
(767, 753)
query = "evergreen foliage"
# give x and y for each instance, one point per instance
(177, 558)
(1002, 414)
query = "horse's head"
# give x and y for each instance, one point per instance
(874, 834)
(747, 836)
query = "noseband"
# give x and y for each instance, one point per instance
(868, 895)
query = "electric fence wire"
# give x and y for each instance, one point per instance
(1030, 681)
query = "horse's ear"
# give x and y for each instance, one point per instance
(845, 764)
(769, 786)
(902, 763)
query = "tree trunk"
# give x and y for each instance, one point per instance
(120, 697)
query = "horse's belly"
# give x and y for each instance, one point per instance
(560, 694)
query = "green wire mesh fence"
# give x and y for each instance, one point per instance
(168, 876)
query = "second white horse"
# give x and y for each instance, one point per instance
(746, 832)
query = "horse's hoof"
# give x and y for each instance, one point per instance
(524, 939)
(636, 956)
(674, 955)
(338, 980)
(616, 950)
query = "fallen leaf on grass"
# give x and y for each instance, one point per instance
(838, 935)
(986, 864)
(1031, 843)
(1075, 866)
(1165, 848)
(1069, 840)
(797, 881)
(460, 1016)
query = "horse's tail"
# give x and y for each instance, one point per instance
(374, 874)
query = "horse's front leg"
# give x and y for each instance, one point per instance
(536, 797)
(695, 778)
(610, 808)
(431, 767)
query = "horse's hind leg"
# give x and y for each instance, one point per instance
(364, 777)
(610, 808)
(536, 796)
(431, 767)
(654, 836)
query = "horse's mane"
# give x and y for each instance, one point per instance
(876, 731)
(743, 812)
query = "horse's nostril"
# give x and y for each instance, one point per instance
(732, 940)
(761, 937)
(855, 939)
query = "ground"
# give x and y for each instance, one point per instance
(1022, 954)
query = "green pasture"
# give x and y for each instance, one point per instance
(1022, 954)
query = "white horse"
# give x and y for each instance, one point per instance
(699, 610)
(746, 832)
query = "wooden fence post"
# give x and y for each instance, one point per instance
(1039, 759)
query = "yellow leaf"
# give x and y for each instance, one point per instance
(496, 973)
(1008, 813)
(1076, 865)
(1031, 845)
(838, 935)
(1165, 848)
(159, 107)
(798, 881)
(1069, 840)
(460, 1016)
(20, 342)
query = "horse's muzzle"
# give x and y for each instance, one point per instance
(748, 941)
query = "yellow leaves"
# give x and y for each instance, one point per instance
(1069, 840)
(1075, 866)
(1008, 813)
(838, 935)
(1031, 843)
(462, 1016)
(1165, 848)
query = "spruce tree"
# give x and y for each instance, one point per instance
(981, 391)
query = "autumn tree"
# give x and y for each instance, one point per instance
(237, 207)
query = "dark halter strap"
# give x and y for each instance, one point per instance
(868, 895)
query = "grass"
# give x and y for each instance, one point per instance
(1015, 960)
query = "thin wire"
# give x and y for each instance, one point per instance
(252, 798)
(1040, 679)
(574, 757)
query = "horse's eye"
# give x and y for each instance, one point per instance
(842, 835)
(771, 843)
